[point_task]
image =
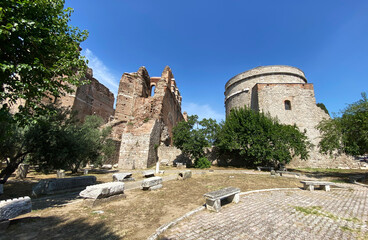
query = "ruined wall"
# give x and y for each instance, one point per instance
(170, 155)
(142, 122)
(90, 99)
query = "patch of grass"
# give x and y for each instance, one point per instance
(317, 210)
(345, 228)
(309, 210)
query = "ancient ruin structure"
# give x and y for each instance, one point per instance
(90, 99)
(284, 92)
(146, 111)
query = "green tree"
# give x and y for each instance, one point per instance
(348, 133)
(54, 141)
(192, 136)
(39, 53)
(259, 139)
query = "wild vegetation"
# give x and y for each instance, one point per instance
(193, 136)
(347, 133)
(53, 141)
(39, 59)
(40, 54)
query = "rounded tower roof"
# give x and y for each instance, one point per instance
(267, 70)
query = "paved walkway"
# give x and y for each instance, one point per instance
(285, 214)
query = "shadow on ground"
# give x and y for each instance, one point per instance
(338, 176)
(53, 200)
(56, 228)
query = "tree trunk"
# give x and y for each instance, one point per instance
(10, 169)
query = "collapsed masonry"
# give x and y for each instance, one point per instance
(146, 111)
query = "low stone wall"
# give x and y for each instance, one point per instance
(169, 155)
(58, 185)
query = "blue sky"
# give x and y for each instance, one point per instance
(207, 42)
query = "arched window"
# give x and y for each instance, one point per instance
(287, 105)
(153, 90)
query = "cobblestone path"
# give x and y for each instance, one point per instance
(299, 214)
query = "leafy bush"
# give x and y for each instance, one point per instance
(192, 136)
(347, 133)
(260, 139)
(202, 163)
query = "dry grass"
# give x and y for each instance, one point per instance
(137, 216)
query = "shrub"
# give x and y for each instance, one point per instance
(202, 163)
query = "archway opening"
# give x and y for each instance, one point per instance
(153, 88)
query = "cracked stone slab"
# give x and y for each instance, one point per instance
(120, 177)
(103, 190)
(150, 183)
(12, 208)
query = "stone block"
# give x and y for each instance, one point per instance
(148, 183)
(60, 173)
(106, 166)
(22, 171)
(148, 173)
(103, 190)
(155, 187)
(182, 175)
(122, 177)
(58, 185)
(12, 208)
(1, 189)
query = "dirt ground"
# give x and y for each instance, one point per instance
(138, 215)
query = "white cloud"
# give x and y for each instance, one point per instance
(203, 111)
(101, 72)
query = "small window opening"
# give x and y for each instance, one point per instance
(287, 105)
(153, 88)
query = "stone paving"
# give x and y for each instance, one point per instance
(285, 214)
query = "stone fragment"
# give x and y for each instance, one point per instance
(182, 175)
(148, 183)
(121, 177)
(60, 173)
(57, 185)
(116, 165)
(148, 173)
(22, 171)
(12, 208)
(103, 190)
(155, 187)
(106, 166)
(98, 212)
(85, 171)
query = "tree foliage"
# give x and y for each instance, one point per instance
(348, 133)
(54, 141)
(323, 107)
(39, 52)
(192, 136)
(261, 140)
